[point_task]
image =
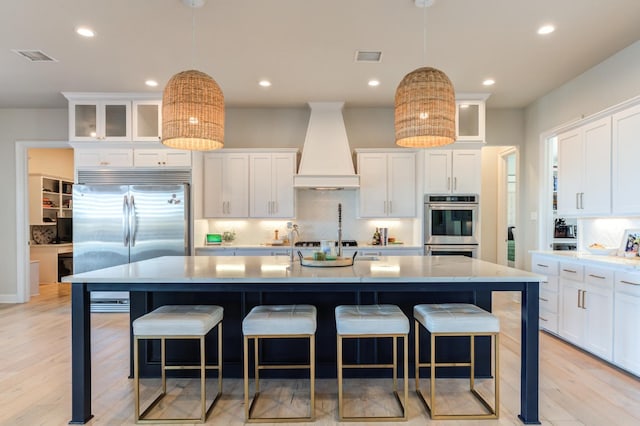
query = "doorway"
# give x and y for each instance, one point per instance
(507, 238)
(23, 235)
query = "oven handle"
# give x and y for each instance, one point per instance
(461, 206)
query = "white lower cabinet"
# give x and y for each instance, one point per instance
(548, 292)
(626, 343)
(586, 312)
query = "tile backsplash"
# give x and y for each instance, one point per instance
(317, 218)
(605, 231)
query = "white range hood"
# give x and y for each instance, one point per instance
(326, 156)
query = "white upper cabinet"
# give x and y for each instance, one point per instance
(584, 170)
(87, 158)
(452, 171)
(161, 158)
(147, 120)
(271, 192)
(387, 183)
(626, 152)
(470, 120)
(226, 185)
(95, 120)
(114, 117)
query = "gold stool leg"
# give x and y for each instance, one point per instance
(432, 376)
(203, 388)
(312, 375)
(246, 377)
(472, 361)
(256, 361)
(395, 364)
(340, 390)
(416, 330)
(163, 365)
(136, 376)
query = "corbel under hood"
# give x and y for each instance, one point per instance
(326, 161)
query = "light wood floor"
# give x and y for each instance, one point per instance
(35, 377)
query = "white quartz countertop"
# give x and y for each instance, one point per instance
(278, 269)
(612, 261)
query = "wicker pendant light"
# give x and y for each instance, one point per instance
(425, 105)
(193, 112)
(425, 109)
(193, 105)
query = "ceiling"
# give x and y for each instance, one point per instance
(306, 47)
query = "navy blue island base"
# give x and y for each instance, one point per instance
(264, 278)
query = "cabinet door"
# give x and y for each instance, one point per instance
(147, 120)
(466, 165)
(570, 167)
(571, 312)
(226, 185)
(626, 350)
(372, 168)
(161, 158)
(90, 158)
(626, 151)
(598, 305)
(470, 120)
(100, 121)
(401, 184)
(284, 167)
(437, 172)
(595, 197)
(260, 199)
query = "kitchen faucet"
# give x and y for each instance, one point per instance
(292, 227)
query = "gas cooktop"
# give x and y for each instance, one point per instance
(345, 243)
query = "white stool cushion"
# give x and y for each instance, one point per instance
(178, 320)
(370, 319)
(456, 318)
(270, 320)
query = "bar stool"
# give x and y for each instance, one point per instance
(456, 319)
(178, 322)
(278, 322)
(373, 321)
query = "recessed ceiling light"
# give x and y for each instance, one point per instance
(546, 29)
(374, 83)
(151, 83)
(489, 82)
(85, 32)
(264, 83)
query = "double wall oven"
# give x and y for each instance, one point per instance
(451, 225)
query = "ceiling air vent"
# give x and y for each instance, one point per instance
(34, 55)
(368, 56)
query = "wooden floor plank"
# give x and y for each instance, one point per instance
(35, 372)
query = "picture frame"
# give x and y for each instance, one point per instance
(630, 244)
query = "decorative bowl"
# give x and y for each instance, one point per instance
(602, 251)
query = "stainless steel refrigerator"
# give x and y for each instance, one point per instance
(118, 224)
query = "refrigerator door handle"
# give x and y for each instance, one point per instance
(125, 221)
(132, 222)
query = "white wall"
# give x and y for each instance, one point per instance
(20, 124)
(611, 82)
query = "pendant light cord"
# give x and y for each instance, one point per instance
(193, 37)
(424, 35)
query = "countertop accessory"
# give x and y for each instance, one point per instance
(602, 251)
(329, 263)
(214, 239)
(43, 234)
(630, 243)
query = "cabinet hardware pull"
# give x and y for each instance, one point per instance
(577, 200)
(390, 207)
(569, 270)
(455, 183)
(543, 319)
(543, 299)
(448, 183)
(597, 276)
(583, 304)
(629, 282)
(579, 291)
(582, 200)
(541, 265)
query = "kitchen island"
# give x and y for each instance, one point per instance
(245, 281)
